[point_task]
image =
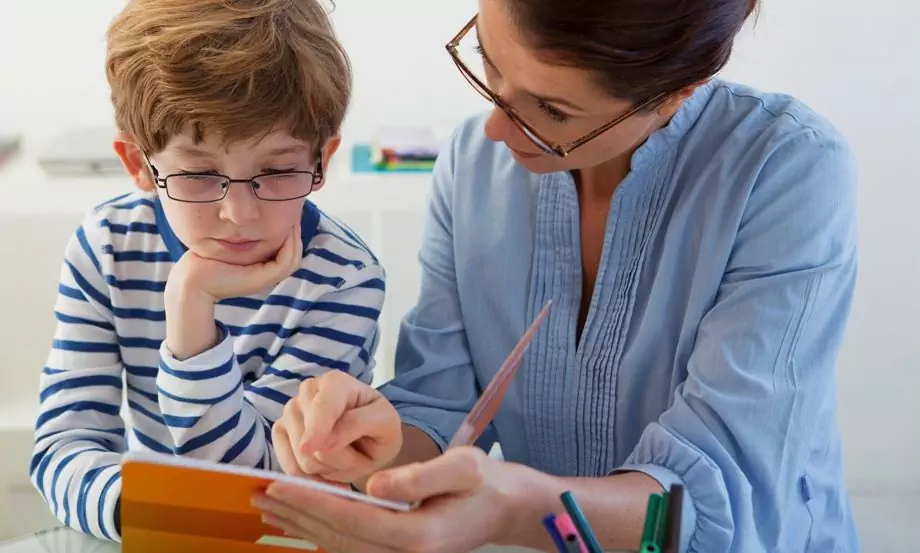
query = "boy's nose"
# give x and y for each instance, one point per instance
(240, 205)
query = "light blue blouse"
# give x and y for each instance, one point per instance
(727, 274)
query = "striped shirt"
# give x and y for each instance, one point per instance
(110, 384)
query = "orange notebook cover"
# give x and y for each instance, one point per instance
(177, 505)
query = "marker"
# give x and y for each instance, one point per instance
(567, 530)
(672, 527)
(581, 523)
(549, 522)
(572, 545)
(649, 540)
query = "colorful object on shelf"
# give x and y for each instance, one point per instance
(397, 150)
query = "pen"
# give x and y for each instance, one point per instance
(581, 523)
(549, 522)
(482, 413)
(672, 526)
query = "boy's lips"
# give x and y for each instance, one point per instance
(237, 244)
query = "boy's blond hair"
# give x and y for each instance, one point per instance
(237, 68)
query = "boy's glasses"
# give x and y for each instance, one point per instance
(201, 188)
(465, 46)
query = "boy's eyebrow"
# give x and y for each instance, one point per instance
(293, 149)
(192, 151)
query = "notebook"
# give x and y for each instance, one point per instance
(181, 505)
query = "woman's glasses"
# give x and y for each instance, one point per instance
(465, 46)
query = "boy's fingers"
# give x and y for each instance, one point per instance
(283, 451)
(296, 250)
(345, 461)
(309, 464)
(320, 417)
(372, 421)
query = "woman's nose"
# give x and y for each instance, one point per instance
(499, 127)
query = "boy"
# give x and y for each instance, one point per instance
(207, 298)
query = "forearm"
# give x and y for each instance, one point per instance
(200, 394)
(190, 325)
(614, 506)
(81, 483)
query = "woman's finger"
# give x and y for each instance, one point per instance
(293, 521)
(456, 471)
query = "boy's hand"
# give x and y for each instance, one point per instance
(219, 280)
(195, 284)
(338, 428)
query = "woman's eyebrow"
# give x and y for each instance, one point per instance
(546, 98)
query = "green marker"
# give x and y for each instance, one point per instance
(652, 511)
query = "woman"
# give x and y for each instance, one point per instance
(698, 241)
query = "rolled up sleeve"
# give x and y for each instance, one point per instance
(760, 379)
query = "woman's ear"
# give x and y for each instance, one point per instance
(134, 162)
(329, 150)
(673, 103)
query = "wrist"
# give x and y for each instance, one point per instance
(180, 289)
(527, 495)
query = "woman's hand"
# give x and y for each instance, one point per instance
(468, 500)
(337, 428)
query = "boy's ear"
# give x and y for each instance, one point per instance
(329, 150)
(134, 161)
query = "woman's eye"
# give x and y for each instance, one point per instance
(553, 113)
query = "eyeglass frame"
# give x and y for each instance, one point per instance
(317, 175)
(548, 146)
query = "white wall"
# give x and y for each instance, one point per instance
(855, 62)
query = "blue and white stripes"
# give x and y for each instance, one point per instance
(110, 384)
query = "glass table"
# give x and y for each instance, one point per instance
(65, 540)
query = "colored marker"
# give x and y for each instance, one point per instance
(649, 539)
(672, 527)
(549, 522)
(581, 523)
(567, 530)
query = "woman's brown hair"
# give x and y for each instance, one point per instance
(638, 49)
